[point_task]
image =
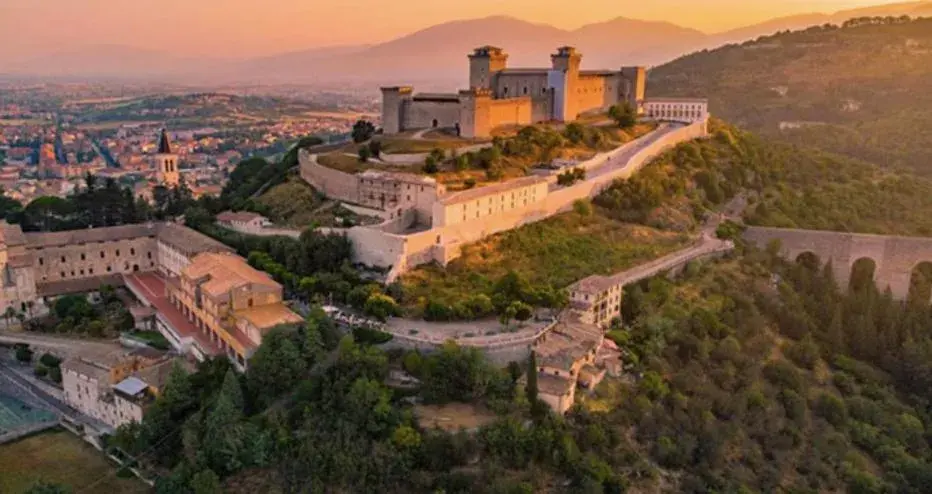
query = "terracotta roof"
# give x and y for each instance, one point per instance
(267, 316)
(237, 216)
(567, 343)
(190, 242)
(102, 234)
(489, 190)
(225, 272)
(164, 144)
(593, 284)
(604, 72)
(156, 375)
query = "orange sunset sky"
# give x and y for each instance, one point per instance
(238, 28)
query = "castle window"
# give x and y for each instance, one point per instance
(41, 261)
(82, 257)
(82, 272)
(62, 258)
(543, 90)
(132, 252)
(91, 270)
(149, 255)
(62, 274)
(118, 252)
(109, 269)
(505, 92)
(101, 254)
(525, 89)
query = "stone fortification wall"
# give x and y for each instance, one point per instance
(421, 114)
(500, 349)
(332, 183)
(894, 257)
(445, 243)
(385, 246)
(512, 111)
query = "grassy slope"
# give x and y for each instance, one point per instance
(60, 457)
(884, 69)
(556, 252)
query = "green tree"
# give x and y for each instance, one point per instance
(623, 114)
(44, 487)
(363, 130)
(364, 154)
(532, 378)
(206, 482)
(276, 366)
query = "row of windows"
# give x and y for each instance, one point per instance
(90, 271)
(132, 252)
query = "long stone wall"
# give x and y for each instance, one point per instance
(332, 183)
(385, 247)
(894, 258)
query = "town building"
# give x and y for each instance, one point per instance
(573, 354)
(163, 265)
(682, 110)
(499, 95)
(243, 221)
(231, 302)
(115, 388)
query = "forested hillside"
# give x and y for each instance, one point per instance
(783, 185)
(864, 89)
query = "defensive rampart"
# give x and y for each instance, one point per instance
(894, 258)
(385, 246)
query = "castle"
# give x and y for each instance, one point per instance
(499, 95)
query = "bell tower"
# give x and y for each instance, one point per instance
(166, 162)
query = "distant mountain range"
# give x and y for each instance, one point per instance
(436, 56)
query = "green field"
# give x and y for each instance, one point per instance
(62, 458)
(555, 252)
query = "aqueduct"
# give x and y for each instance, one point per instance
(895, 258)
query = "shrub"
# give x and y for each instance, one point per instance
(430, 165)
(23, 353)
(41, 370)
(49, 360)
(469, 183)
(370, 336)
(832, 409)
(364, 153)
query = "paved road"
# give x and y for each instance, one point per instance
(58, 344)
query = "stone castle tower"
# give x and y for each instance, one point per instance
(166, 162)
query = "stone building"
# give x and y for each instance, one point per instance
(230, 301)
(115, 388)
(499, 95)
(150, 260)
(681, 110)
(166, 163)
(568, 356)
(243, 221)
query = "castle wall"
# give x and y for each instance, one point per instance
(512, 111)
(421, 114)
(591, 93)
(541, 108)
(332, 183)
(454, 235)
(513, 85)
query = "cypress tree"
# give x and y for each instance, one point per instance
(532, 379)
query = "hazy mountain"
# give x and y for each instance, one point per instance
(862, 91)
(800, 21)
(111, 61)
(436, 56)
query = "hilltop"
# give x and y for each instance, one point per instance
(860, 90)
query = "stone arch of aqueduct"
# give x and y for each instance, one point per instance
(895, 258)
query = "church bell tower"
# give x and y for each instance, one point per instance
(166, 162)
